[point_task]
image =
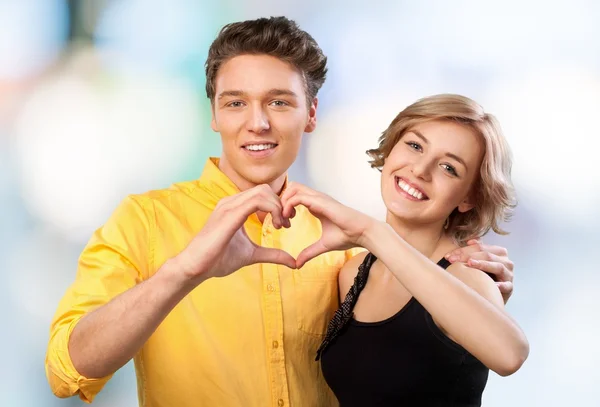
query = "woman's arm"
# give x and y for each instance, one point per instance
(465, 303)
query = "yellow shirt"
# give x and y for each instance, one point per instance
(249, 339)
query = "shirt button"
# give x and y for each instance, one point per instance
(275, 344)
(270, 288)
(280, 402)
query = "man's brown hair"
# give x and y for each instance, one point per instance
(275, 36)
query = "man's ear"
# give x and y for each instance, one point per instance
(312, 116)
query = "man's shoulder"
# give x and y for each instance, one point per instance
(182, 188)
(178, 200)
(174, 194)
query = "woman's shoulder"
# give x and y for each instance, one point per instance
(479, 281)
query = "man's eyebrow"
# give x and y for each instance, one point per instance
(281, 92)
(271, 92)
(234, 93)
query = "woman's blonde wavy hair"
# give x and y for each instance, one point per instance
(494, 192)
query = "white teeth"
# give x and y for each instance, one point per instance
(409, 190)
(259, 147)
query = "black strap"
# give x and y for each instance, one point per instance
(345, 312)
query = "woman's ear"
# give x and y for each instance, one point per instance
(467, 204)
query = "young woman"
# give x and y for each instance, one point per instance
(413, 329)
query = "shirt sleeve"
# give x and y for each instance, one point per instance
(116, 258)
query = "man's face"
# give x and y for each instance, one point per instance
(261, 112)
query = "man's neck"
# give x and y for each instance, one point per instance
(243, 184)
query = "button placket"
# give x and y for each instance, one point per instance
(274, 321)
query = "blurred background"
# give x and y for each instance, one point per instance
(103, 98)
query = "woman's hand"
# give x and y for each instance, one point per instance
(342, 227)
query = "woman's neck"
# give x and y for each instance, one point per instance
(430, 240)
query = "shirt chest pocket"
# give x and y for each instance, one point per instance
(316, 298)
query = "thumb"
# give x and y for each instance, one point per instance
(274, 256)
(310, 252)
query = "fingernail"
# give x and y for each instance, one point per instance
(474, 262)
(452, 259)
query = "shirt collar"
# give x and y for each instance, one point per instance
(218, 183)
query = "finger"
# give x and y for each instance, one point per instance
(462, 254)
(278, 219)
(268, 204)
(274, 256)
(497, 250)
(290, 203)
(289, 193)
(491, 267)
(288, 210)
(487, 256)
(473, 245)
(506, 265)
(506, 289)
(265, 200)
(310, 253)
(313, 203)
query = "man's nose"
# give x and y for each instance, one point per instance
(258, 121)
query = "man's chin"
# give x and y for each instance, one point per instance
(266, 176)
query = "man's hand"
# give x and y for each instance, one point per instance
(222, 246)
(342, 227)
(490, 259)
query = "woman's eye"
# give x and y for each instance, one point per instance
(450, 169)
(413, 145)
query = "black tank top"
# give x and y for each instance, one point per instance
(405, 360)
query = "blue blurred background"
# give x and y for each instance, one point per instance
(101, 98)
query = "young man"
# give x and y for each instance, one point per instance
(198, 282)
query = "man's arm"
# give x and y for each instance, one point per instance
(114, 261)
(109, 313)
(108, 337)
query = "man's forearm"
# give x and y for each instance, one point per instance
(107, 338)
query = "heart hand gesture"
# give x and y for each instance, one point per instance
(343, 227)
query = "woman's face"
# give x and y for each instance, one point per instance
(431, 171)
